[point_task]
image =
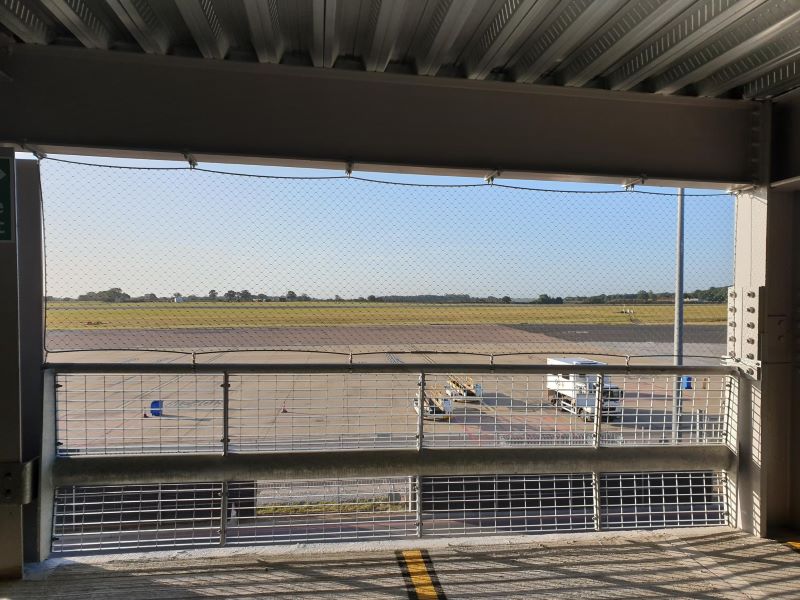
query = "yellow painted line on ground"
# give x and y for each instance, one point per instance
(793, 545)
(419, 578)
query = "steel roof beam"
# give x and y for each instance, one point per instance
(577, 21)
(143, 24)
(23, 22)
(452, 22)
(60, 96)
(740, 41)
(506, 32)
(690, 30)
(387, 30)
(205, 26)
(634, 25)
(76, 16)
(264, 31)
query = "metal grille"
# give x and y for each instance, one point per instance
(648, 500)
(94, 518)
(499, 410)
(275, 512)
(130, 517)
(314, 412)
(669, 409)
(197, 413)
(506, 504)
(138, 414)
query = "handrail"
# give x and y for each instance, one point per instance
(532, 369)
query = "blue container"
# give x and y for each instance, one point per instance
(156, 406)
(686, 382)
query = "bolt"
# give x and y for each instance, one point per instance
(751, 325)
(732, 338)
(751, 294)
(732, 309)
(732, 294)
(732, 323)
(751, 371)
(751, 341)
(750, 355)
(750, 309)
(732, 354)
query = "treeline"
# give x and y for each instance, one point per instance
(712, 294)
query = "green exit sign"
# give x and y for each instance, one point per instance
(6, 222)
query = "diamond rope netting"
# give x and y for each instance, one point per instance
(197, 260)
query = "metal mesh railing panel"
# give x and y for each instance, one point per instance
(173, 414)
(307, 511)
(272, 413)
(656, 500)
(136, 517)
(495, 505)
(138, 414)
(91, 519)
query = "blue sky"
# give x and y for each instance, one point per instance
(166, 231)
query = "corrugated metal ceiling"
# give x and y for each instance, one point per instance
(717, 48)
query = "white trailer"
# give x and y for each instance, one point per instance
(577, 392)
(436, 405)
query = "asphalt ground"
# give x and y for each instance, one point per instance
(614, 340)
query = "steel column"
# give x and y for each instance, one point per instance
(11, 546)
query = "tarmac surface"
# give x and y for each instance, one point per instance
(632, 340)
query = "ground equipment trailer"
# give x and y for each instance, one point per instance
(435, 402)
(464, 389)
(577, 392)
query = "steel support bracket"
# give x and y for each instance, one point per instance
(17, 482)
(745, 331)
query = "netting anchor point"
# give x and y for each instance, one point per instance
(490, 176)
(631, 182)
(190, 159)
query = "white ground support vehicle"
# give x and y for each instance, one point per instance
(577, 392)
(436, 405)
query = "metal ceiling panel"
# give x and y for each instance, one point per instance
(143, 23)
(737, 48)
(758, 62)
(784, 77)
(571, 27)
(636, 23)
(81, 20)
(760, 27)
(262, 20)
(510, 28)
(206, 28)
(23, 22)
(690, 30)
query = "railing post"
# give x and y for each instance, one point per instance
(596, 500)
(421, 410)
(677, 410)
(48, 456)
(598, 409)
(226, 386)
(223, 521)
(418, 522)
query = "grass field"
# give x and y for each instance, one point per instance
(87, 316)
